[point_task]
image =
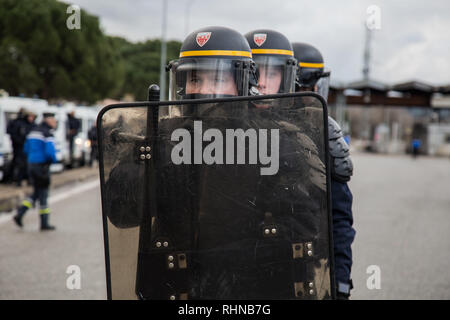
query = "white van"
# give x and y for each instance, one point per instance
(9, 108)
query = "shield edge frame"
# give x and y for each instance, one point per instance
(150, 116)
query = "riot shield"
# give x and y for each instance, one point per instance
(217, 199)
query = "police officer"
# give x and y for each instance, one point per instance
(311, 76)
(214, 62)
(18, 129)
(40, 150)
(92, 136)
(271, 48)
(73, 127)
(236, 229)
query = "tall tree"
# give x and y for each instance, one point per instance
(40, 55)
(142, 62)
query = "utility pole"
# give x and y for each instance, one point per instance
(367, 54)
(366, 78)
(162, 70)
(187, 16)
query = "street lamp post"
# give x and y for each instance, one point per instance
(162, 71)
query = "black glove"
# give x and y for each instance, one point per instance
(343, 290)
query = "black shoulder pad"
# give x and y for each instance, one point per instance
(341, 164)
(334, 130)
(339, 148)
(342, 169)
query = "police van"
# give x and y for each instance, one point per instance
(9, 108)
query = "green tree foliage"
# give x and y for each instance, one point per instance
(40, 55)
(142, 64)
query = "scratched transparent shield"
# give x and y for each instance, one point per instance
(217, 199)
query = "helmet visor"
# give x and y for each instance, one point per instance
(275, 74)
(323, 85)
(207, 78)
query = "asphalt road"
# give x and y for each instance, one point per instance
(33, 264)
(402, 218)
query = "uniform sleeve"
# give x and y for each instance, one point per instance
(50, 151)
(343, 232)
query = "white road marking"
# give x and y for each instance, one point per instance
(76, 190)
(5, 217)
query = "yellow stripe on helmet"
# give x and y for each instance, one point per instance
(310, 65)
(215, 53)
(273, 51)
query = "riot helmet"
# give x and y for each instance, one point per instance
(311, 73)
(275, 61)
(214, 62)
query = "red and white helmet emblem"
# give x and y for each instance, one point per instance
(259, 38)
(202, 38)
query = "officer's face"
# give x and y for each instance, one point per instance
(210, 82)
(269, 80)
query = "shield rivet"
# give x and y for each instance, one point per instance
(171, 265)
(158, 244)
(309, 246)
(147, 149)
(311, 292)
(170, 258)
(311, 284)
(172, 297)
(274, 231)
(310, 253)
(165, 244)
(266, 231)
(142, 156)
(148, 156)
(142, 149)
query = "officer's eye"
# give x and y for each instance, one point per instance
(194, 80)
(273, 74)
(219, 80)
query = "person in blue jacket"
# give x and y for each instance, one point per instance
(311, 76)
(40, 150)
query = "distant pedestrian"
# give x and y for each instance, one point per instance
(18, 129)
(92, 135)
(73, 128)
(415, 147)
(40, 150)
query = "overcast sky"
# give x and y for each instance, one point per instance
(413, 42)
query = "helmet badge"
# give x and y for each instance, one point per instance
(202, 38)
(259, 38)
